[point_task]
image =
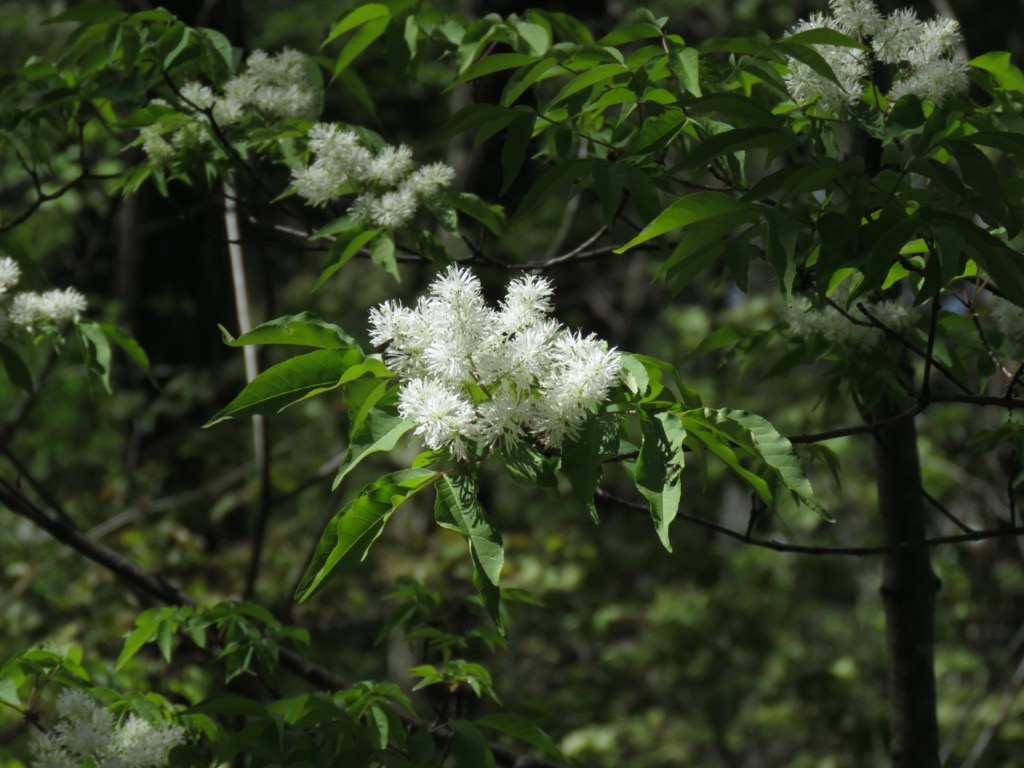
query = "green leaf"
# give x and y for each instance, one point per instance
(469, 747)
(536, 37)
(822, 36)
(521, 81)
(519, 727)
(777, 452)
(999, 65)
(382, 253)
(342, 251)
(289, 382)
(690, 210)
(9, 693)
(491, 216)
(473, 116)
(583, 455)
(130, 347)
(304, 329)
(528, 465)
(352, 531)
(703, 425)
(15, 368)
(96, 348)
(590, 77)
(658, 468)
(490, 64)
(556, 178)
(96, 13)
(657, 131)
(730, 142)
(357, 18)
(380, 430)
(685, 65)
(806, 54)
(359, 42)
(629, 33)
(513, 153)
(457, 507)
(141, 635)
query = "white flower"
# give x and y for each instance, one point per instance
(527, 302)
(86, 728)
(504, 417)
(315, 183)
(277, 86)
(938, 38)
(390, 165)
(143, 745)
(10, 273)
(87, 734)
(156, 147)
(857, 18)
(934, 81)
(429, 180)
(898, 36)
(29, 308)
(197, 96)
(445, 419)
(849, 65)
(804, 321)
(529, 376)
(393, 209)
(47, 752)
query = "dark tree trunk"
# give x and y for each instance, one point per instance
(909, 586)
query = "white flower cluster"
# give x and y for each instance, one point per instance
(28, 307)
(803, 321)
(272, 86)
(476, 374)
(391, 190)
(87, 734)
(921, 51)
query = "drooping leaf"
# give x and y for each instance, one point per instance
(658, 468)
(777, 452)
(352, 531)
(16, 369)
(457, 507)
(582, 457)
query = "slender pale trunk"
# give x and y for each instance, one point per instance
(909, 586)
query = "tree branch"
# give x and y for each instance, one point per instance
(799, 549)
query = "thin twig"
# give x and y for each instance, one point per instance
(798, 549)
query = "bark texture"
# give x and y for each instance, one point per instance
(909, 586)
